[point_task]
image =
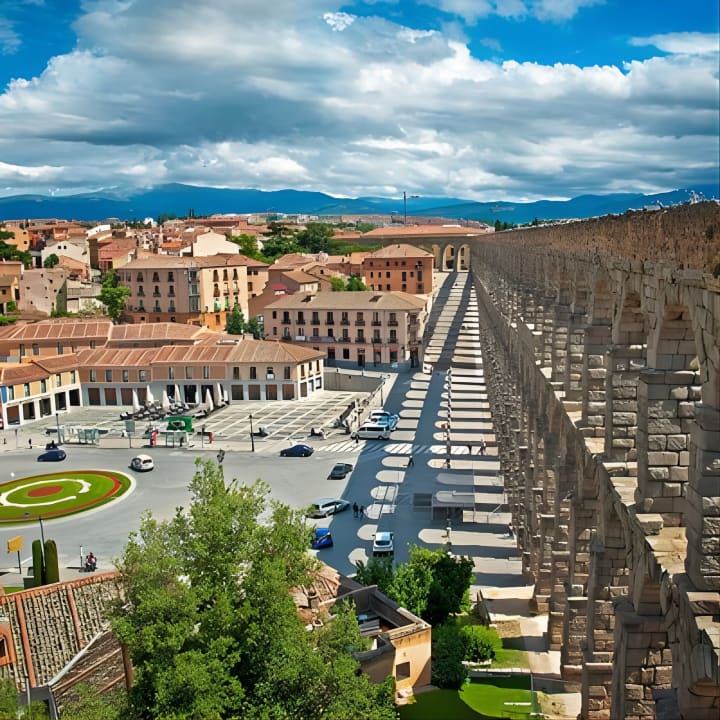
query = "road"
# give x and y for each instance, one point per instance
(381, 480)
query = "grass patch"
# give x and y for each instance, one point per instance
(510, 658)
(10, 589)
(476, 700)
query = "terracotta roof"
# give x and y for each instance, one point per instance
(356, 300)
(51, 624)
(299, 276)
(292, 260)
(118, 357)
(188, 261)
(7, 280)
(19, 373)
(57, 363)
(397, 250)
(71, 262)
(156, 331)
(61, 329)
(245, 351)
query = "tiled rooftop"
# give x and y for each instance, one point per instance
(359, 300)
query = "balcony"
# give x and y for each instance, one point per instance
(377, 341)
(157, 294)
(344, 339)
(361, 339)
(344, 321)
(141, 293)
(315, 321)
(376, 323)
(286, 321)
(171, 308)
(330, 322)
(392, 323)
(360, 323)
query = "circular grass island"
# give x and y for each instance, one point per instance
(59, 494)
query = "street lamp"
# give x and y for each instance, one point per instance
(405, 197)
(57, 423)
(42, 532)
(252, 436)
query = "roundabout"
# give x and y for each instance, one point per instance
(55, 495)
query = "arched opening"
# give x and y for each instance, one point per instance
(463, 258)
(448, 257)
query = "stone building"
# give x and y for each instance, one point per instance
(601, 346)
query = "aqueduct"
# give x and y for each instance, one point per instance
(601, 348)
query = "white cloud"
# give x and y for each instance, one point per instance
(180, 91)
(9, 39)
(338, 20)
(686, 43)
(546, 10)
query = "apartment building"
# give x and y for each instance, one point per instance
(193, 290)
(358, 328)
(399, 267)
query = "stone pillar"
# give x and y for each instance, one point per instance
(547, 330)
(643, 664)
(702, 517)
(665, 419)
(575, 360)
(621, 410)
(559, 359)
(594, 372)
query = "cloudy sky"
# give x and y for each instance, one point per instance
(481, 99)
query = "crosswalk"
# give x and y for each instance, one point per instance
(369, 448)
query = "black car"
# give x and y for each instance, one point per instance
(340, 470)
(299, 450)
(53, 455)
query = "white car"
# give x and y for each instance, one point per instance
(383, 544)
(142, 463)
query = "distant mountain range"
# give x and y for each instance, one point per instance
(180, 199)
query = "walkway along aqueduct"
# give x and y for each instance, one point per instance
(601, 348)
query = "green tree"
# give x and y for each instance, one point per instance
(448, 650)
(164, 217)
(211, 626)
(315, 237)
(337, 284)
(248, 245)
(274, 247)
(378, 571)
(480, 642)
(113, 295)
(354, 283)
(254, 328)
(51, 261)
(364, 227)
(11, 252)
(236, 322)
(10, 708)
(88, 705)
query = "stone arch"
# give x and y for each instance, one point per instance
(463, 257)
(448, 257)
(437, 255)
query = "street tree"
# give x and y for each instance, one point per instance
(113, 295)
(210, 624)
(254, 328)
(236, 322)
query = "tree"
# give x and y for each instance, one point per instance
(248, 245)
(10, 709)
(364, 227)
(51, 261)
(315, 237)
(10, 252)
(354, 283)
(337, 284)
(211, 626)
(378, 571)
(88, 705)
(236, 322)
(113, 295)
(254, 328)
(448, 650)
(282, 245)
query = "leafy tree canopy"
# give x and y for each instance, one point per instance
(51, 261)
(113, 295)
(315, 237)
(236, 322)
(211, 626)
(274, 247)
(337, 284)
(248, 245)
(11, 252)
(354, 283)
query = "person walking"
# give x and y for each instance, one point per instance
(30, 443)
(511, 532)
(355, 509)
(469, 449)
(411, 462)
(362, 511)
(483, 445)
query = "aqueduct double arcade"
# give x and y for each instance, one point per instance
(601, 348)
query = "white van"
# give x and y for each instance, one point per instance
(371, 431)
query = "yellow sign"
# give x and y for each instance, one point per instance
(15, 544)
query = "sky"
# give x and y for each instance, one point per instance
(489, 100)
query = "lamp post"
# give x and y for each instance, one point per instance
(42, 532)
(405, 197)
(252, 436)
(57, 423)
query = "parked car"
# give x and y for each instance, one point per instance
(322, 539)
(383, 544)
(340, 470)
(299, 450)
(383, 417)
(53, 455)
(327, 506)
(142, 463)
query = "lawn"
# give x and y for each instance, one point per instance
(57, 494)
(476, 700)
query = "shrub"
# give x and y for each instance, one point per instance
(480, 643)
(448, 670)
(52, 568)
(38, 564)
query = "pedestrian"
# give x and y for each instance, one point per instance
(30, 443)
(511, 532)
(411, 462)
(469, 449)
(357, 439)
(482, 446)
(447, 462)
(362, 511)
(355, 509)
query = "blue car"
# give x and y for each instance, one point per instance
(297, 451)
(52, 455)
(322, 539)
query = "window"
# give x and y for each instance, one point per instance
(236, 373)
(58, 380)
(171, 276)
(269, 373)
(59, 348)
(142, 375)
(206, 372)
(274, 332)
(387, 274)
(393, 335)
(108, 376)
(22, 351)
(402, 671)
(92, 344)
(72, 376)
(253, 373)
(26, 388)
(126, 376)
(43, 386)
(274, 314)
(171, 373)
(36, 349)
(93, 376)
(346, 353)
(188, 373)
(329, 320)
(11, 393)
(286, 372)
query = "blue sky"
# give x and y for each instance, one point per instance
(481, 99)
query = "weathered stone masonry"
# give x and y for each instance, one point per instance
(602, 357)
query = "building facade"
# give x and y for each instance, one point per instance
(401, 268)
(357, 328)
